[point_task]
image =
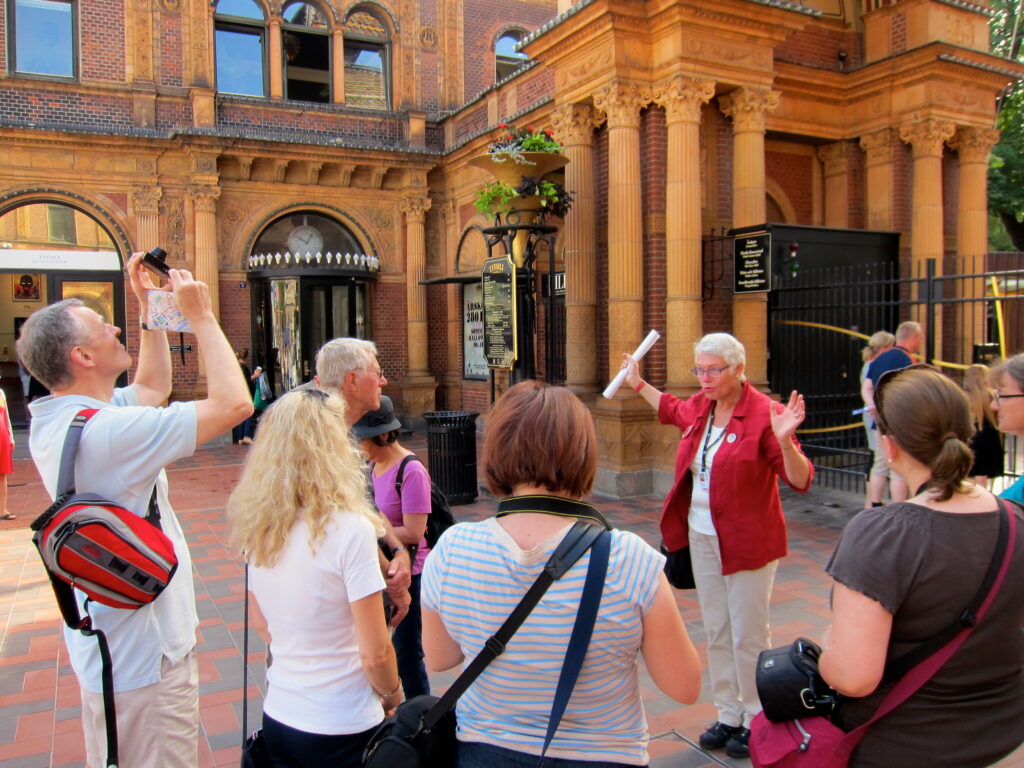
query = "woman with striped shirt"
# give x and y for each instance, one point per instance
(541, 454)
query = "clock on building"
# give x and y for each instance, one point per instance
(305, 239)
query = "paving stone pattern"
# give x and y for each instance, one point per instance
(39, 697)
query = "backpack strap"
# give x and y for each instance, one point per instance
(401, 472)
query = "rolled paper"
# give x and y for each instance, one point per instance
(638, 355)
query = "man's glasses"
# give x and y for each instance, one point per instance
(711, 373)
(998, 397)
(377, 373)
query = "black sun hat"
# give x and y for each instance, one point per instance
(378, 422)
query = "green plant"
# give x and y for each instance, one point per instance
(497, 197)
(515, 141)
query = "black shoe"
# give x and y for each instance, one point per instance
(718, 735)
(739, 744)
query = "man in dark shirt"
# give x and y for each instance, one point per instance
(908, 339)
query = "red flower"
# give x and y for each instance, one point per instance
(503, 125)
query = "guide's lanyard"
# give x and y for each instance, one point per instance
(703, 476)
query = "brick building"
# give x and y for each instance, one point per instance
(310, 160)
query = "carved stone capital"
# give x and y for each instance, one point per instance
(746, 107)
(204, 197)
(877, 146)
(974, 145)
(835, 157)
(415, 208)
(927, 136)
(621, 103)
(682, 98)
(574, 124)
(146, 200)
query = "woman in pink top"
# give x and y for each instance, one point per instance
(407, 512)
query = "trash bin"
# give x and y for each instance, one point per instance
(451, 452)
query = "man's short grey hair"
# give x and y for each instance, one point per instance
(46, 340)
(907, 329)
(723, 345)
(339, 356)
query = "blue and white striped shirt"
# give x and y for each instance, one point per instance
(473, 580)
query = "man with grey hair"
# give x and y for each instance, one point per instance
(124, 448)
(350, 367)
(908, 340)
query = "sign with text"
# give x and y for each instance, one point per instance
(474, 364)
(498, 281)
(752, 263)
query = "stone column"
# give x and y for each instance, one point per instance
(338, 65)
(927, 138)
(275, 59)
(973, 146)
(878, 186)
(682, 99)
(747, 108)
(418, 384)
(622, 104)
(574, 125)
(146, 205)
(204, 206)
(835, 160)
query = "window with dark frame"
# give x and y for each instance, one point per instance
(367, 62)
(61, 224)
(240, 47)
(42, 38)
(306, 44)
(506, 58)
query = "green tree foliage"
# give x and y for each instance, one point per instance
(1006, 168)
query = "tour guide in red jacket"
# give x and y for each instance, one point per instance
(725, 504)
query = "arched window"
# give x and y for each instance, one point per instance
(306, 46)
(506, 58)
(240, 37)
(367, 61)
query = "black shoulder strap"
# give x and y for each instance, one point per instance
(967, 618)
(577, 541)
(401, 472)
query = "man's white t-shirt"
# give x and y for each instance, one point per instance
(316, 682)
(122, 453)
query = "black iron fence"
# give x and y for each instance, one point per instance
(972, 310)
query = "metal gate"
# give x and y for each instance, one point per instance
(819, 319)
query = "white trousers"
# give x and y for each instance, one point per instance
(735, 611)
(157, 726)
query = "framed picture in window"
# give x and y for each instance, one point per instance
(26, 287)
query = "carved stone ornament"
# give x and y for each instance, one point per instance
(927, 136)
(747, 107)
(174, 216)
(877, 146)
(835, 157)
(171, 6)
(428, 38)
(583, 71)
(204, 197)
(974, 145)
(622, 102)
(682, 97)
(146, 200)
(415, 208)
(574, 124)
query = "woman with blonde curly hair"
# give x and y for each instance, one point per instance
(302, 517)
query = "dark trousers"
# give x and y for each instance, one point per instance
(408, 642)
(291, 748)
(476, 755)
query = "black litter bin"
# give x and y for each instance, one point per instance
(451, 452)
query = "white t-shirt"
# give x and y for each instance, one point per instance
(316, 682)
(699, 519)
(123, 451)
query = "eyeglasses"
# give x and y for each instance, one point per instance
(711, 373)
(998, 397)
(377, 373)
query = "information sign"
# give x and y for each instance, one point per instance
(498, 279)
(752, 263)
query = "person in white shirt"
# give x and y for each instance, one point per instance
(123, 451)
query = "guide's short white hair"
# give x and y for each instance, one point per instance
(723, 345)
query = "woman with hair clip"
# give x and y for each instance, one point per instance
(540, 456)
(986, 443)
(905, 572)
(301, 515)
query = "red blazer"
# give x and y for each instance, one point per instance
(745, 504)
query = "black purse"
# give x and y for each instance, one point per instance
(789, 683)
(421, 733)
(678, 567)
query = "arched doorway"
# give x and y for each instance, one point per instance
(310, 279)
(49, 251)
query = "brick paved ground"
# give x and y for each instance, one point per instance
(39, 699)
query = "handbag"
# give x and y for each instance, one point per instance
(789, 684)
(421, 733)
(254, 749)
(678, 567)
(816, 742)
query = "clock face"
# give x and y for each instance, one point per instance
(305, 239)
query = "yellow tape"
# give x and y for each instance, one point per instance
(999, 317)
(856, 425)
(835, 328)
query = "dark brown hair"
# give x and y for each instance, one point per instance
(930, 417)
(541, 435)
